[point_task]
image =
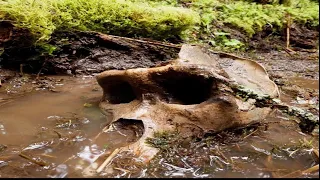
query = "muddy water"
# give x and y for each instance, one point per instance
(52, 134)
(57, 128)
(306, 83)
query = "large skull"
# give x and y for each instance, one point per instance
(186, 93)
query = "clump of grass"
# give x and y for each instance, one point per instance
(117, 17)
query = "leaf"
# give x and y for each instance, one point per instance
(87, 105)
(232, 42)
(221, 33)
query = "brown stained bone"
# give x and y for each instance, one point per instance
(188, 93)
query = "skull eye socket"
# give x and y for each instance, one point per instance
(184, 88)
(118, 92)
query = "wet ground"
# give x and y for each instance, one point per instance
(48, 128)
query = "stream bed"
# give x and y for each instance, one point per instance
(53, 134)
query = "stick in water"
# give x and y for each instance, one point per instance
(106, 162)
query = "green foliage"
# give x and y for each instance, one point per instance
(252, 17)
(195, 20)
(249, 16)
(46, 49)
(222, 41)
(117, 17)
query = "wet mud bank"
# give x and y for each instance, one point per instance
(77, 52)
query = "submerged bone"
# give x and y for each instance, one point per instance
(188, 92)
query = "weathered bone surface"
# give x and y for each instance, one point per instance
(188, 93)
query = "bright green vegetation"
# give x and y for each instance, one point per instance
(191, 20)
(118, 17)
(247, 16)
(252, 17)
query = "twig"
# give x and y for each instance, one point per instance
(293, 174)
(106, 162)
(105, 36)
(221, 154)
(288, 31)
(44, 62)
(59, 135)
(238, 147)
(310, 170)
(250, 134)
(232, 56)
(288, 35)
(299, 172)
(123, 170)
(272, 170)
(40, 163)
(47, 155)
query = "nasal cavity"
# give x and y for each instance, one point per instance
(119, 91)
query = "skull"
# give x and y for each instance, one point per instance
(188, 93)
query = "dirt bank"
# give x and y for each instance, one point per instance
(78, 52)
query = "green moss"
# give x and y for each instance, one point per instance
(191, 20)
(118, 17)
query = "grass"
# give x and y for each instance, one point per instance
(190, 20)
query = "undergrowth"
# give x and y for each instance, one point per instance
(190, 20)
(246, 15)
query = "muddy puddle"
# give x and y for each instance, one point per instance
(56, 129)
(52, 134)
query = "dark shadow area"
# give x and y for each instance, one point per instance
(184, 88)
(118, 92)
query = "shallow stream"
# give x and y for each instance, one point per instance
(52, 134)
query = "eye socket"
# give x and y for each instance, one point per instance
(118, 92)
(184, 88)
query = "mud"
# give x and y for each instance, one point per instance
(80, 53)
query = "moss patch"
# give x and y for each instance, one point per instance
(117, 17)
